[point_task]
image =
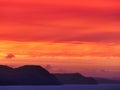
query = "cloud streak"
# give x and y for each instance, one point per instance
(53, 21)
(45, 11)
(50, 22)
(59, 36)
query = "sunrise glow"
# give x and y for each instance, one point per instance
(83, 33)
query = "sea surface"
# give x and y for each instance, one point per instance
(64, 87)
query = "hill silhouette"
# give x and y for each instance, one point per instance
(26, 75)
(36, 75)
(107, 81)
(75, 78)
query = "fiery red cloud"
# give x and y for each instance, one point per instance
(39, 21)
(77, 30)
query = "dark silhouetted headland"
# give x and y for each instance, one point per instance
(36, 75)
(26, 75)
(75, 78)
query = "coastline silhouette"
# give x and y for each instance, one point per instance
(37, 75)
(75, 78)
(26, 75)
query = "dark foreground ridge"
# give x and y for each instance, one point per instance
(75, 78)
(26, 75)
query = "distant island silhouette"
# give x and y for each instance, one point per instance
(75, 78)
(37, 75)
(107, 81)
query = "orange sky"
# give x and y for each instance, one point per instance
(53, 33)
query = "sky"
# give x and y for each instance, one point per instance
(62, 35)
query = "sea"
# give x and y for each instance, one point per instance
(65, 87)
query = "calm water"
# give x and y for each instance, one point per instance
(64, 87)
